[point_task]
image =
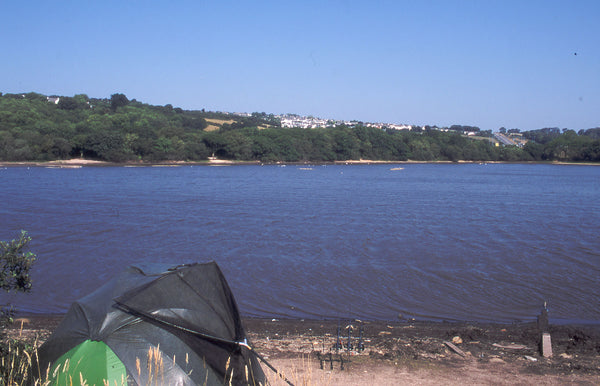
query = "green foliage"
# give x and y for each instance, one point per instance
(15, 264)
(592, 133)
(32, 128)
(543, 136)
(67, 103)
(118, 100)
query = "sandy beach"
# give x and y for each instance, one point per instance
(404, 353)
(80, 162)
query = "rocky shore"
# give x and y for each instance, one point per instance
(346, 352)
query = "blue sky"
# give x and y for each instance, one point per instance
(490, 63)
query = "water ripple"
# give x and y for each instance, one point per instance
(466, 242)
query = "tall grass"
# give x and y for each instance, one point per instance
(18, 359)
(16, 363)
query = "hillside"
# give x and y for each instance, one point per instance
(36, 127)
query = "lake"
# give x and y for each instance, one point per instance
(474, 242)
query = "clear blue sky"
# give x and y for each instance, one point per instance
(483, 63)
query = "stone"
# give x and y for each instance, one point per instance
(457, 340)
(546, 345)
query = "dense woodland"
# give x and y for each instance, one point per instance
(34, 128)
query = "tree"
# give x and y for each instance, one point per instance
(118, 100)
(592, 133)
(536, 150)
(106, 146)
(238, 146)
(195, 150)
(15, 264)
(346, 145)
(68, 103)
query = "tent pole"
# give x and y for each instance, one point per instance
(206, 336)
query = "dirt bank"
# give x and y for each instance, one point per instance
(407, 353)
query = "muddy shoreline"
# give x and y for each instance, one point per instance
(405, 352)
(575, 348)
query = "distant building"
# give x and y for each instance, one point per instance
(54, 100)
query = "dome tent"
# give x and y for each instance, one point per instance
(176, 326)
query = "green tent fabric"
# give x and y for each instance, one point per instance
(91, 362)
(166, 325)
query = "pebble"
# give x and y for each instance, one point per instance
(457, 340)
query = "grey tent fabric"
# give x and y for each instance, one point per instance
(187, 313)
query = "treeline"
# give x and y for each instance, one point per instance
(35, 128)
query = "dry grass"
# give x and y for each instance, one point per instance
(17, 362)
(216, 124)
(20, 355)
(220, 122)
(18, 359)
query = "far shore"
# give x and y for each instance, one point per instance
(81, 162)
